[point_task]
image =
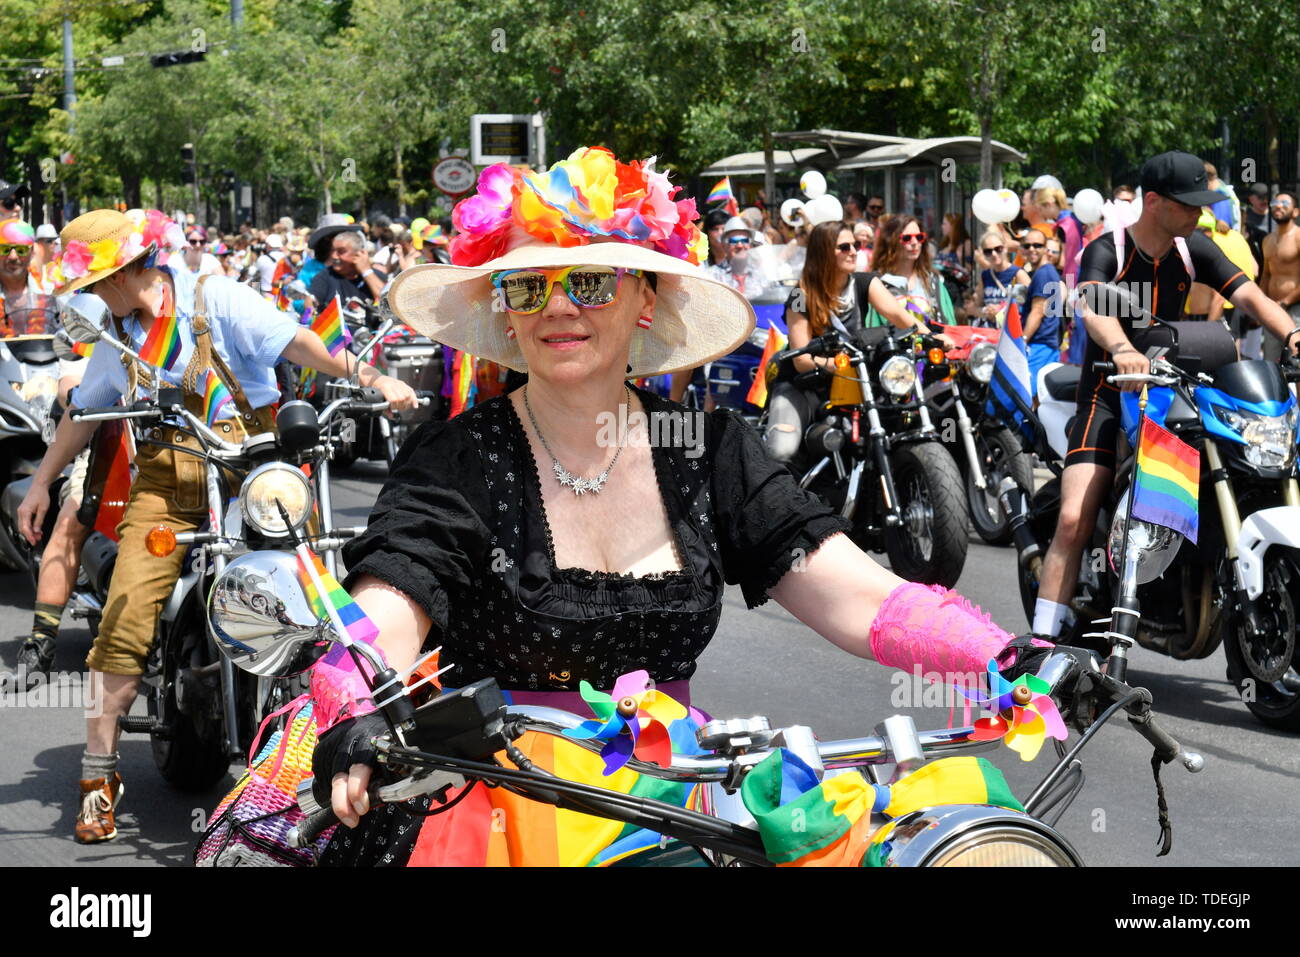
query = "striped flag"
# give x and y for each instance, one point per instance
(463, 386)
(1167, 488)
(162, 346)
(215, 396)
(721, 193)
(1009, 392)
(279, 279)
(328, 324)
(354, 621)
(758, 391)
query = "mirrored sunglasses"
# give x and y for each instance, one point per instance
(527, 291)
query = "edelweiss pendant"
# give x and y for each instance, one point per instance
(579, 485)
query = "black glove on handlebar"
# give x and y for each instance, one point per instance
(1022, 657)
(347, 743)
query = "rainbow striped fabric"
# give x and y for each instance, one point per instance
(162, 346)
(829, 823)
(721, 192)
(758, 391)
(215, 396)
(328, 324)
(359, 627)
(464, 387)
(83, 349)
(1167, 489)
(279, 279)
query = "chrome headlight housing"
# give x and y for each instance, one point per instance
(971, 835)
(1270, 439)
(981, 361)
(267, 483)
(898, 376)
(1154, 545)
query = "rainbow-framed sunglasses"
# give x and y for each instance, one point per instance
(525, 291)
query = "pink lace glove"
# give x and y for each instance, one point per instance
(939, 630)
(338, 694)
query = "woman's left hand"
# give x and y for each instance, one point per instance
(398, 393)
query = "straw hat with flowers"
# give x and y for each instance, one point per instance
(99, 243)
(587, 210)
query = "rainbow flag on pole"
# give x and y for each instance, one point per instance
(758, 391)
(1168, 485)
(354, 620)
(328, 324)
(215, 396)
(721, 193)
(279, 279)
(463, 384)
(162, 346)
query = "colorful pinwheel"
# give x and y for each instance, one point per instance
(634, 719)
(1026, 713)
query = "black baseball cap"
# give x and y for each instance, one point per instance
(12, 191)
(1179, 176)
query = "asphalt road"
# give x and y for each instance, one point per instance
(1238, 811)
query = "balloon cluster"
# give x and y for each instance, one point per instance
(821, 207)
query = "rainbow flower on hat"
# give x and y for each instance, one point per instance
(17, 232)
(80, 258)
(588, 196)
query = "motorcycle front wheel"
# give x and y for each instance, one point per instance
(930, 546)
(1266, 667)
(1000, 457)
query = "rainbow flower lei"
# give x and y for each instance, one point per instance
(587, 196)
(149, 226)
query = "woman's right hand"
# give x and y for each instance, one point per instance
(342, 766)
(31, 513)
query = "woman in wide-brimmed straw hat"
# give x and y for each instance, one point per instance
(578, 529)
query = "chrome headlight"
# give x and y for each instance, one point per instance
(264, 486)
(1154, 546)
(1270, 439)
(981, 361)
(898, 376)
(971, 835)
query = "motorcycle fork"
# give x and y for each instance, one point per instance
(1231, 519)
(967, 429)
(216, 517)
(326, 503)
(879, 442)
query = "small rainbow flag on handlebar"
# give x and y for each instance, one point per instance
(328, 324)
(215, 396)
(1167, 488)
(359, 627)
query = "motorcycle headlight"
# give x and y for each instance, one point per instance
(981, 361)
(1154, 546)
(1269, 439)
(898, 376)
(264, 486)
(1002, 847)
(970, 835)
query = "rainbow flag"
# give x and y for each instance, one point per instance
(215, 396)
(1167, 489)
(758, 391)
(359, 627)
(279, 279)
(804, 822)
(328, 324)
(162, 346)
(464, 386)
(83, 349)
(721, 193)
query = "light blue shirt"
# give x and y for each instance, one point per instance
(247, 331)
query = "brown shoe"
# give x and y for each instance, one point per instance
(99, 799)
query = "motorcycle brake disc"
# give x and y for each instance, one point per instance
(1269, 655)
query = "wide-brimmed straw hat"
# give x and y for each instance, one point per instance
(99, 243)
(587, 210)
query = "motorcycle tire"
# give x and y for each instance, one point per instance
(1001, 456)
(930, 546)
(190, 754)
(1266, 670)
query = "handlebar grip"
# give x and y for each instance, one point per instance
(1104, 368)
(426, 394)
(1167, 747)
(312, 827)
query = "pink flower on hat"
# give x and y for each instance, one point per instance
(76, 259)
(490, 208)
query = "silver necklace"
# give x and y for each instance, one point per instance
(566, 478)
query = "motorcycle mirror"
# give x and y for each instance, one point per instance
(261, 618)
(1019, 294)
(85, 316)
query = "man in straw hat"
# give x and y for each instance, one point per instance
(223, 328)
(580, 530)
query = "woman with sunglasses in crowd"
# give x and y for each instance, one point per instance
(995, 282)
(541, 543)
(902, 261)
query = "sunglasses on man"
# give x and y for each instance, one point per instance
(876, 207)
(738, 241)
(22, 249)
(1029, 246)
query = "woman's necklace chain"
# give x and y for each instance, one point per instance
(566, 478)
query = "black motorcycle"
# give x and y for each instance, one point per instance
(878, 458)
(1239, 583)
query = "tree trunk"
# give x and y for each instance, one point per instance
(329, 199)
(157, 194)
(401, 181)
(986, 146)
(769, 170)
(1270, 143)
(131, 190)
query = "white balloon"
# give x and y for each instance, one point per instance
(1046, 181)
(1008, 206)
(813, 184)
(986, 207)
(1087, 206)
(823, 209)
(792, 212)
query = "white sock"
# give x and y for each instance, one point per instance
(1048, 617)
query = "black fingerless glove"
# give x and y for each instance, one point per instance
(1022, 657)
(347, 743)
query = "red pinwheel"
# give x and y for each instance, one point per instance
(1026, 713)
(633, 720)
